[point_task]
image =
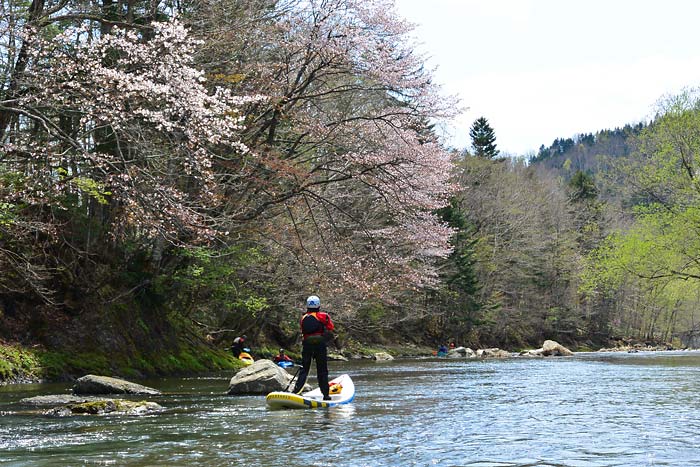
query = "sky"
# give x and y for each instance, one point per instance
(545, 69)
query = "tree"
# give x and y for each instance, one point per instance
(347, 172)
(460, 292)
(112, 137)
(582, 187)
(520, 242)
(483, 139)
(651, 266)
(124, 138)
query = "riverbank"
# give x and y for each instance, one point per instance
(131, 340)
(21, 364)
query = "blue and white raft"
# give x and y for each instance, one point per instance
(342, 391)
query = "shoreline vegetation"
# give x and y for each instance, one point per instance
(28, 365)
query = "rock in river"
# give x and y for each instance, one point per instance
(461, 352)
(105, 406)
(91, 384)
(261, 377)
(494, 352)
(548, 349)
(57, 399)
(383, 357)
(555, 348)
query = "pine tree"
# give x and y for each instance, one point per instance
(461, 296)
(483, 139)
(582, 187)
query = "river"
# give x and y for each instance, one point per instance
(588, 410)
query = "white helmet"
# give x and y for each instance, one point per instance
(313, 302)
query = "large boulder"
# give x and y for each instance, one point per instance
(461, 352)
(92, 384)
(105, 406)
(550, 348)
(261, 377)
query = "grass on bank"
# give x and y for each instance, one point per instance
(19, 363)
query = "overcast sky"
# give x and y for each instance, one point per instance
(543, 69)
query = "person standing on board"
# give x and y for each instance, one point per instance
(316, 327)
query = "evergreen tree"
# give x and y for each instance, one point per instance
(483, 139)
(460, 297)
(582, 187)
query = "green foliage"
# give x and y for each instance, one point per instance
(582, 151)
(8, 214)
(461, 275)
(133, 358)
(92, 188)
(459, 298)
(653, 266)
(16, 361)
(372, 313)
(582, 187)
(661, 244)
(210, 286)
(188, 360)
(483, 139)
(57, 365)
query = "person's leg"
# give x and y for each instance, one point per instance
(322, 369)
(306, 355)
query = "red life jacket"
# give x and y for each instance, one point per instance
(315, 323)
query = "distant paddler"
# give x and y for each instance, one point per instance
(238, 345)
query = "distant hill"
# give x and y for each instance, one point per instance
(583, 151)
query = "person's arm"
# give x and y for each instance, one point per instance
(329, 324)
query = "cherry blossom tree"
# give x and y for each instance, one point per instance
(348, 171)
(120, 128)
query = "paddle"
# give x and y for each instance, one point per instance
(293, 378)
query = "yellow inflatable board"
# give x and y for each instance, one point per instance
(342, 392)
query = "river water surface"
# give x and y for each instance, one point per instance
(588, 410)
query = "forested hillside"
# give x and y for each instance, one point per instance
(175, 174)
(588, 152)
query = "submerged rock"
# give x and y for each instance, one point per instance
(58, 399)
(382, 357)
(337, 357)
(532, 353)
(261, 377)
(494, 352)
(106, 406)
(92, 384)
(461, 352)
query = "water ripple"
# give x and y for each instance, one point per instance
(586, 411)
